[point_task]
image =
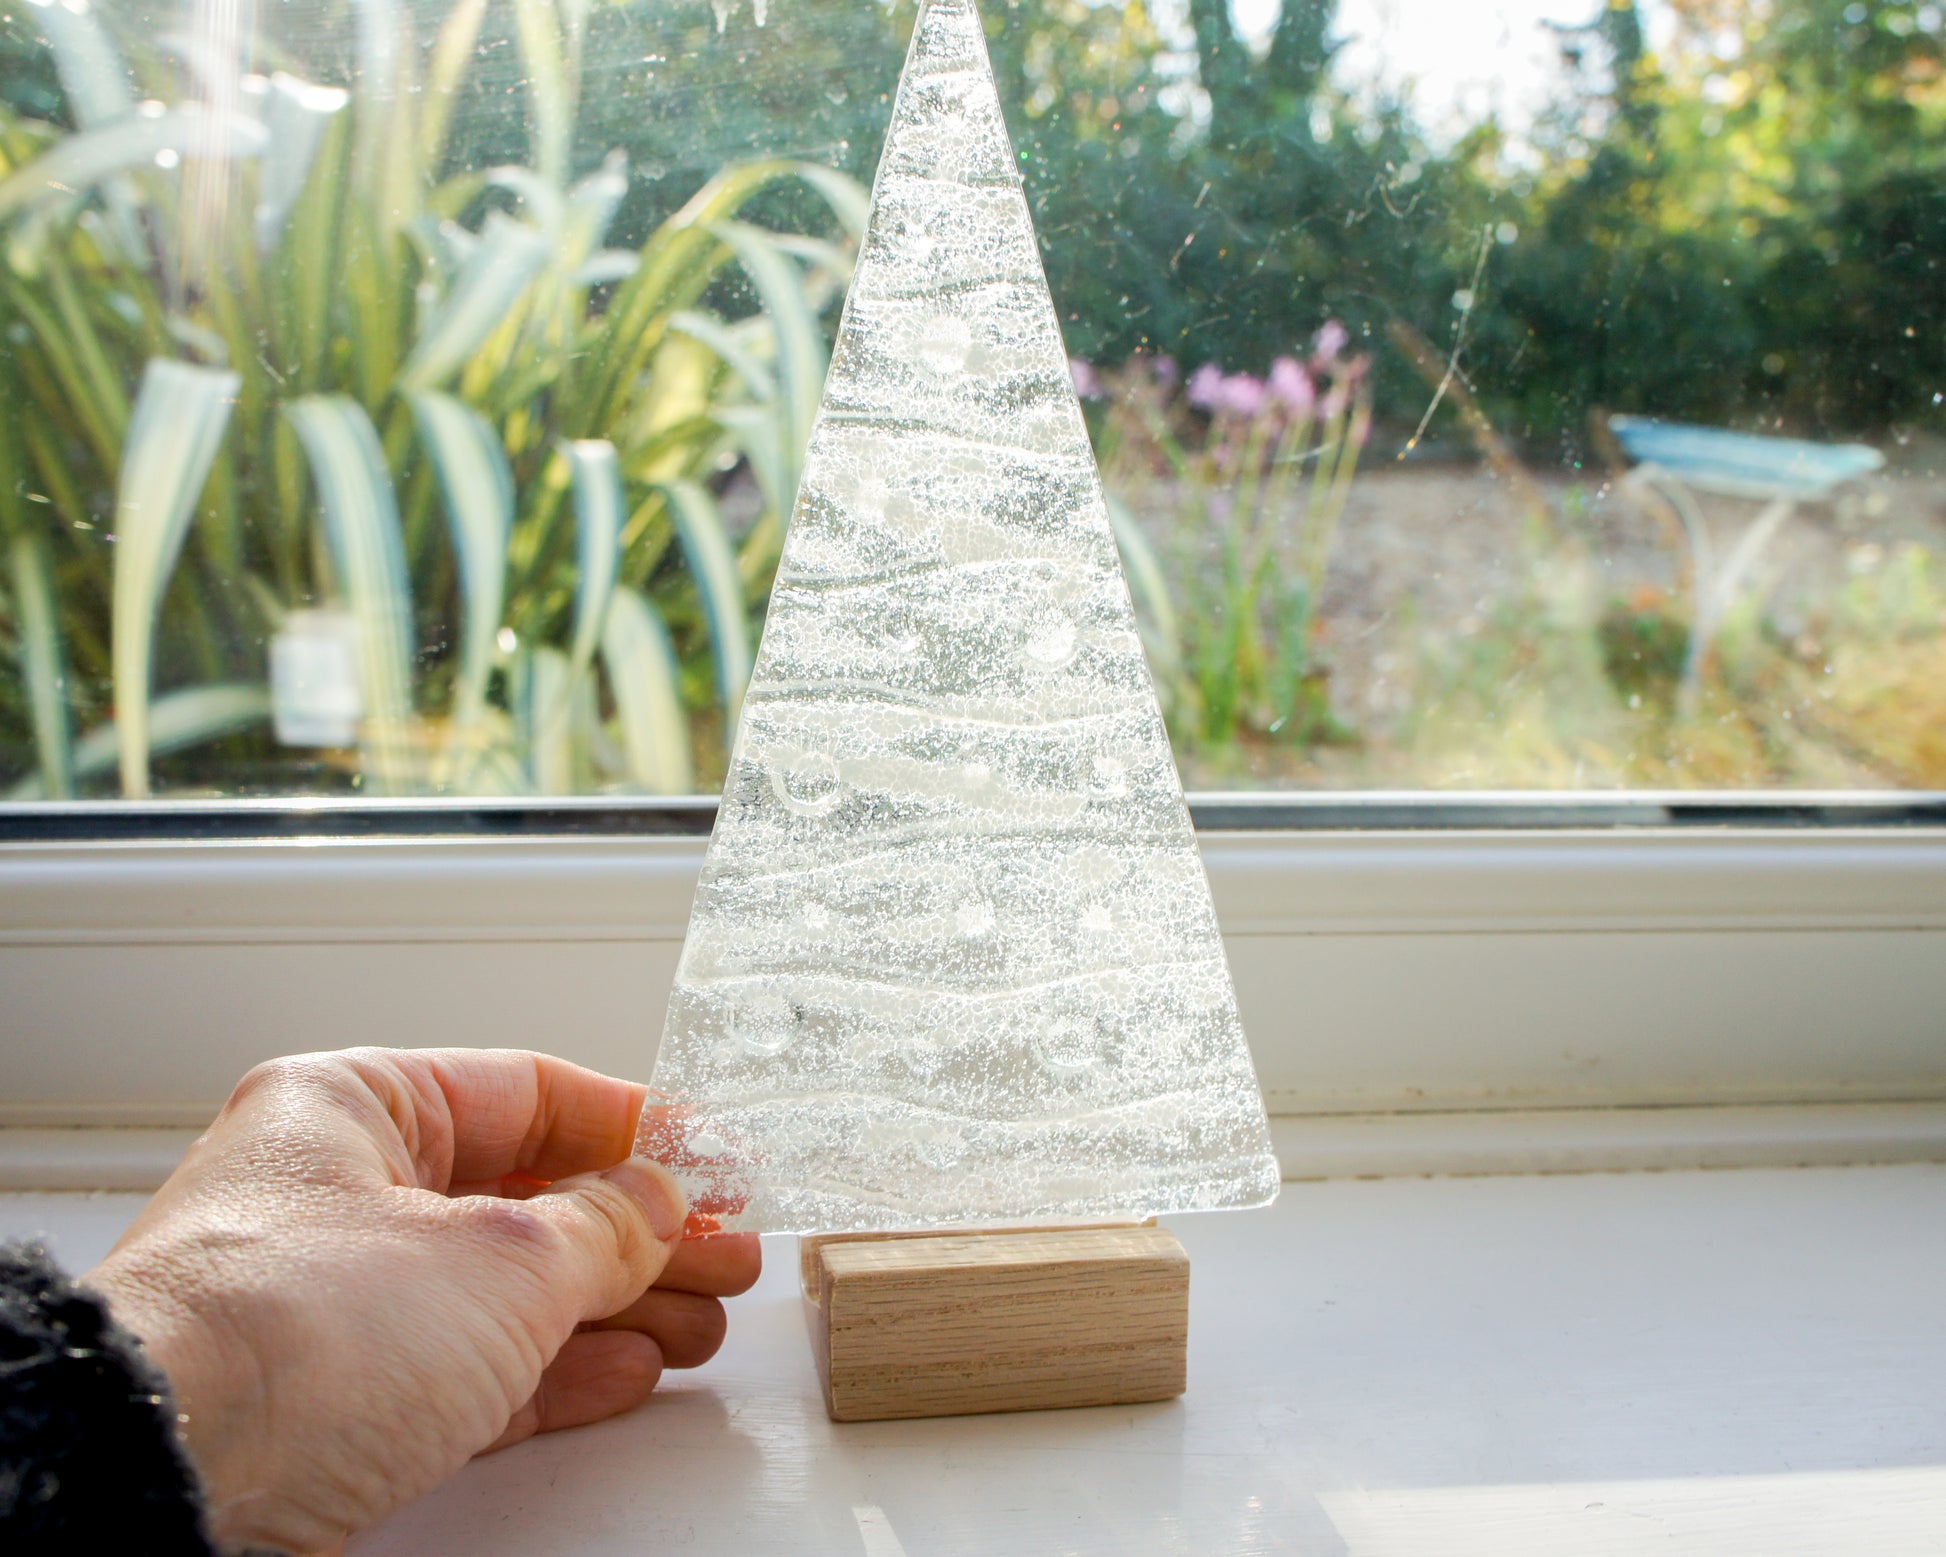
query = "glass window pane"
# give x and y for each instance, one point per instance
(406, 396)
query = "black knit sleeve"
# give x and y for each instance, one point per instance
(89, 1457)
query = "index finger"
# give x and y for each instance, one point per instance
(508, 1112)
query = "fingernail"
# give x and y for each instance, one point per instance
(652, 1188)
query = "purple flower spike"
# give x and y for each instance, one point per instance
(1166, 371)
(1292, 386)
(1206, 386)
(1087, 383)
(1332, 339)
(1243, 395)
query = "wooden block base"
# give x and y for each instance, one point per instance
(947, 1324)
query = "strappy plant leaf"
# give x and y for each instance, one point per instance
(42, 662)
(295, 115)
(644, 678)
(178, 721)
(849, 200)
(730, 343)
(599, 509)
(591, 206)
(378, 80)
(452, 53)
(93, 73)
(713, 565)
(1150, 587)
(361, 524)
(173, 435)
(77, 162)
(800, 347)
(506, 258)
(543, 53)
(478, 489)
(541, 683)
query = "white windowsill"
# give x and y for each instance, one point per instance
(1678, 1364)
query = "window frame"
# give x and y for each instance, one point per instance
(1593, 980)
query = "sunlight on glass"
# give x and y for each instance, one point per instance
(409, 396)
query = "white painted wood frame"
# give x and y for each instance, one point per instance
(1474, 1000)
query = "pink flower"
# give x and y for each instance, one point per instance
(1292, 386)
(1331, 340)
(1242, 395)
(1206, 386)
(1087, 383)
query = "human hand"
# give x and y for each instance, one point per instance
(378, 1263)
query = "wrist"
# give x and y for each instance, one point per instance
(215, 1405)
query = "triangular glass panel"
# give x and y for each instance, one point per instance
(952, 960)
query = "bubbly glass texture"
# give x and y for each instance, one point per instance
(952, 960)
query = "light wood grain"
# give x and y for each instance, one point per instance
(956, 1324)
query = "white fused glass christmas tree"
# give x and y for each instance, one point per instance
(952, 960)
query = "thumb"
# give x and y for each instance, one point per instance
(619, 1227)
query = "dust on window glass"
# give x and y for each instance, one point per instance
(408, 398)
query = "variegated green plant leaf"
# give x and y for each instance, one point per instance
(96, 79)
(478, 488)
(591, 206)
(540, 696)
(713, 565)
(451, 57)
(361, 523)
(761, 433)
(42, 663)
(605, 266)
(731, 342)
(53, 182)
(100, 89)
(173, 435)
(801, 360)
(75, 162)
(678, 262)
(546, 206)
(849, 200)
(544, 54)
(177, 721)
(1150, 587)
(599, 511)
(295, 113)
(645, 681)
(504, 260)
(378, 29)
(827, 266)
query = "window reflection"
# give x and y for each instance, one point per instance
(408, 398)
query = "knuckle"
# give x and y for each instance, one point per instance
(266, 1076)
(288, 1072)
(519, 1225)
(277, 1084)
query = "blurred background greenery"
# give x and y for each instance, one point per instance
(1725, 212)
